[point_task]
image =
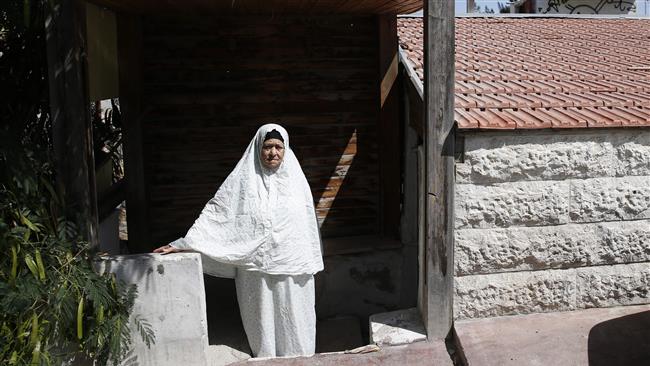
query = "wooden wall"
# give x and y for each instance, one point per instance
(209, 83)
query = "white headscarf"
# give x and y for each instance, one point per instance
(260, 219)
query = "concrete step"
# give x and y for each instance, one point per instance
(221, 355)
(594, 337)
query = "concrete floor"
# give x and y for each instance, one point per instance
(227, 339)
(416, 354)
(593, 337)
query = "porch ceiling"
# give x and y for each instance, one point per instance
(276, 7)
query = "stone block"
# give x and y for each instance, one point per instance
(610, 199)
(397, 327)
(633, 154)
(481, 251)
(604, 286)
(171, 297)
(540, 156)
(504, 158)
(514, 293)
(512, 204)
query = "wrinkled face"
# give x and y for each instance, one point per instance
(272, 153)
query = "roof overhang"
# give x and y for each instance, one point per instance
(252, 7)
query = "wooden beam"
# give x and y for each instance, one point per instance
(113, 196)
(409, 232)
(65, 28)
(129, 45)
(439, 164)
(249, 7)
(389, 127)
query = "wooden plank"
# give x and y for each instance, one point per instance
(65, 28)
(389, 127)
(409, 225)
(129, 43)
(358, 244)
(110, 199)
(439, 155)
(211, 82)
(415, 107)
(241, 7)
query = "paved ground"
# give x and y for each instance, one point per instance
(593, 337)
(421, 353)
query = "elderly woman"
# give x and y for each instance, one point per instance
(262, 221)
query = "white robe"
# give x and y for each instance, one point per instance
(262, 226)
(278, 313)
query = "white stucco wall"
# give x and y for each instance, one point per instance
(552, 221)
(602, 7)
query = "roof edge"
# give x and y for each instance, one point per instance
(533, 16)
(410, 71)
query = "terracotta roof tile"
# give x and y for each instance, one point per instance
(545, 72)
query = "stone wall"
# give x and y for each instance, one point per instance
(552, 221)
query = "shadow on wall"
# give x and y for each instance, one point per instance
(621, 341)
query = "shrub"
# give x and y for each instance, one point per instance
(52, 302)
(53, 305)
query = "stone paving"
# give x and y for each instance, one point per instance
(594, 337)
(420, 353)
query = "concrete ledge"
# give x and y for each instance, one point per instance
(594, 337)
(397, 327)
(171, 297)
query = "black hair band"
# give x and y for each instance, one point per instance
(273, 134)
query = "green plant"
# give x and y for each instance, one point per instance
(107, 135)
(52, 302)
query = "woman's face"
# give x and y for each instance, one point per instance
(272, 153)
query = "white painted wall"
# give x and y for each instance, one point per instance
(604, 7)
(609, 7)
(552, 221)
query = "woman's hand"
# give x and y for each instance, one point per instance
(166, 249)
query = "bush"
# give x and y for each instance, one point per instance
(53, 305)
(52, 301)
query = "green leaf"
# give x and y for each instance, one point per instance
(50, 188)
(14, 266)
(80, 314)
(39, 264)
(28, 223)
(31, 265)
(100, 314)
(36, 355)
(14, 358)
(34, 336)
(27, 235)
